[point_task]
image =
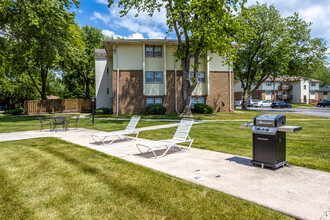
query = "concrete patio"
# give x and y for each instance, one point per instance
(299, 192)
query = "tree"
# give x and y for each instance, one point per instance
(199, 25)
(271, 46)
(79, 64)
(40, 31)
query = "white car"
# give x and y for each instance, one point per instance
(262, 104)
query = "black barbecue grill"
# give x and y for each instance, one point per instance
(269, 139)
(269, 144)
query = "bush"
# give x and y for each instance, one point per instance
(156, 110)
(102, 111)
(16, 111)
(203, 109)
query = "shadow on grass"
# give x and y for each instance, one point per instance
(14, 208)
(114, 182)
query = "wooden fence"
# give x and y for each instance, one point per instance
(57, 105)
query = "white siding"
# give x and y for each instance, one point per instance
(103, 83)
(296, 91)
(129, 57)
(216, 63)
(304, 92)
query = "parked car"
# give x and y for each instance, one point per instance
(251, 102)
(238, 103)
(323, 104)
(281, 105)
(262, 104)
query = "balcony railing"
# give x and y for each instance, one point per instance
(285, 87)
(285, 97)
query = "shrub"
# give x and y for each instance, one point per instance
(203, 109)
(8, 112)
(102, 111)
(16, 111)
(156, 110)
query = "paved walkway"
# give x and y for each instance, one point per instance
(299, 192)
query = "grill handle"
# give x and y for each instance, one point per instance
(263, 139)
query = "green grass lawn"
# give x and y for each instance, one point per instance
(48, 178)
(27, 123)
(307, 148)
(237, 115)
(302, 105)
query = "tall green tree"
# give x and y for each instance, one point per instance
(79, 64)
(272, 46)
(41, 30)
(199, 25)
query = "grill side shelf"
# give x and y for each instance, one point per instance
(281, 128)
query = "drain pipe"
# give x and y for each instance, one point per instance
(229, 70)
(117, 95)
(175, 89)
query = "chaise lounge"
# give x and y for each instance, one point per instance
(181, 135)
(130, 129)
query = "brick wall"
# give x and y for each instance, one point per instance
(132, 100)
(219, 91)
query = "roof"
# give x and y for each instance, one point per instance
(289, 79)
(325, 89)
(100, 53)
(52, 97)
(140, 41)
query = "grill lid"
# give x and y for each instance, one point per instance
(270, 120)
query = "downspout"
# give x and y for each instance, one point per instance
(175, 89)
(117, 64)
(229, 70)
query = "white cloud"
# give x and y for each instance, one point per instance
(109, 33)
(78, 11)
(102, 2)
(136, 36)
(99, 16)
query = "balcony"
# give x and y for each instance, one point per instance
(285, 97)
(285, 87)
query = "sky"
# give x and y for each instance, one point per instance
(96, 13)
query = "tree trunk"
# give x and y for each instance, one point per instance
(87, 89)
(187, 88)
(246, 97)
(44, 73)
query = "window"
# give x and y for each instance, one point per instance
(195, 100)
(325, 93)
(267, 92)
(304, 87)
(154, 101)
(241, 85)
(108, 91)
(153, 51)
(268, 83)
(154, 77)
(312, 92)
(201, 77)
(313, 84)
(108, 73)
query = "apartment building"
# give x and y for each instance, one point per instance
(288, 89)
(324, 93)
(132, 74)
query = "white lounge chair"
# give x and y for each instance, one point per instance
(181, 135)
(130, 129)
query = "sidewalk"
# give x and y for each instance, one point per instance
(299, 192)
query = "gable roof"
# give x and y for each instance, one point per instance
(100, 53)
(289, 79)
(325, 89)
